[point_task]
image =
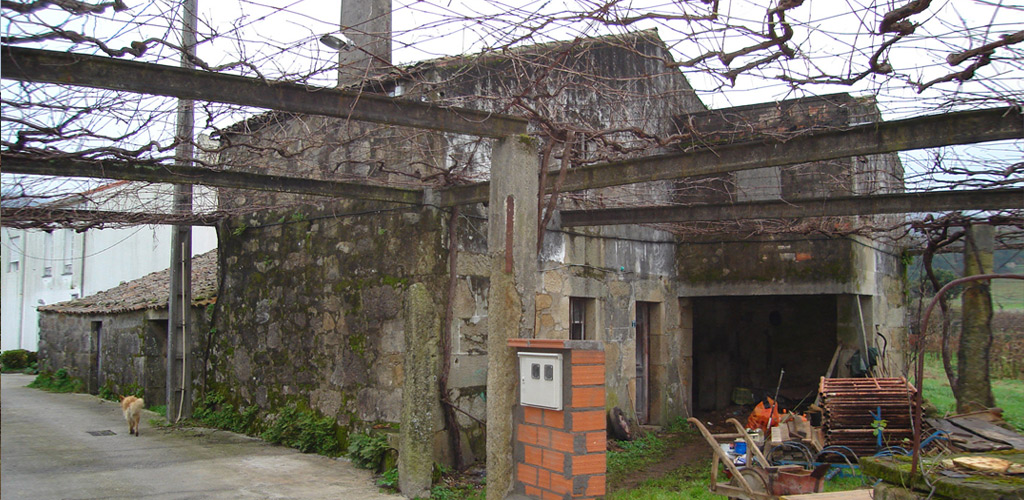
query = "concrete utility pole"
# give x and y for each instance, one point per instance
(974, 386)
(179, 326)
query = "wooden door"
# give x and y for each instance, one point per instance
(643, 342)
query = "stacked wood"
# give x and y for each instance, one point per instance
(856, 410)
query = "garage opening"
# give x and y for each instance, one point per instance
(744, 342)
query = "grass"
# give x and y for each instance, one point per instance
(1008, 393)
(689, 482)
(1007, 295)
(635, 455)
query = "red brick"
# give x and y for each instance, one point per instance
(533, 455)
(532, 491)
(587, 397)
(588, 375)
(552, 496)
(596, 442)
(533, 415)
(543, 479)
(561, 484)
(554, 418)
(561, 441)
(589, 464)
(595, 486)
(527, 434)
(588, 420)
(588, 357)
(526, 474)
(553, 460)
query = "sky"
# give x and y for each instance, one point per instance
(279, 39)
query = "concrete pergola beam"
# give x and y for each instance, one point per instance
(962, 127)
(894, 203)
(46, 66)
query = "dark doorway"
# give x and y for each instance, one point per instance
(746, 341)
(96, 363)
(155, 351)
(643, 360)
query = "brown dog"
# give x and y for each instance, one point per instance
(132, 408)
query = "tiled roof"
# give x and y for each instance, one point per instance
(147, 292)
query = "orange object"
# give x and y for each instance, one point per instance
(763, 416)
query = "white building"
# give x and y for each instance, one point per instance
(43, 267)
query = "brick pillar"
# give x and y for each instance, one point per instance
(560, 454)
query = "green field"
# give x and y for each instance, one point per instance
(1008, 295)
(1009, 393)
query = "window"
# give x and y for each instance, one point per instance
(581, 318)
(15, 263)
(48, 254)
(69, 237)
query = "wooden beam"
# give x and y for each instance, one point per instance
(178, 174)
(962, 127)
(896, 203)
(36, 65)
(72, 218)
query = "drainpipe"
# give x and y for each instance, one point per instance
(21, 291)
(81, 273)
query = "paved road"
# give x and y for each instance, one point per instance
(48, 452)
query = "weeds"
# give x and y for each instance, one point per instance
(300, 429)
(389, 479)
(368, 450)
(303, 430)
(446, 492)
(215, 411)
(58, 381)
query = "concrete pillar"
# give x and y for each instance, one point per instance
(847, 331)
(975, 385)
(420, 394)
(512, 249)
(367, 24)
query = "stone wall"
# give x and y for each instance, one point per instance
(120, 351)
(612, 269)
(314, 314)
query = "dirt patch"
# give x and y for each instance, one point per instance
(684, 450)
(690, 452)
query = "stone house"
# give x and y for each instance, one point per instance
(316, 313)
(117, 338)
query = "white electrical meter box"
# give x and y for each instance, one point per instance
(540, 380)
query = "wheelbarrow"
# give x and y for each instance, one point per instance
(758, 480)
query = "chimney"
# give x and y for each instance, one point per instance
(367, 25)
